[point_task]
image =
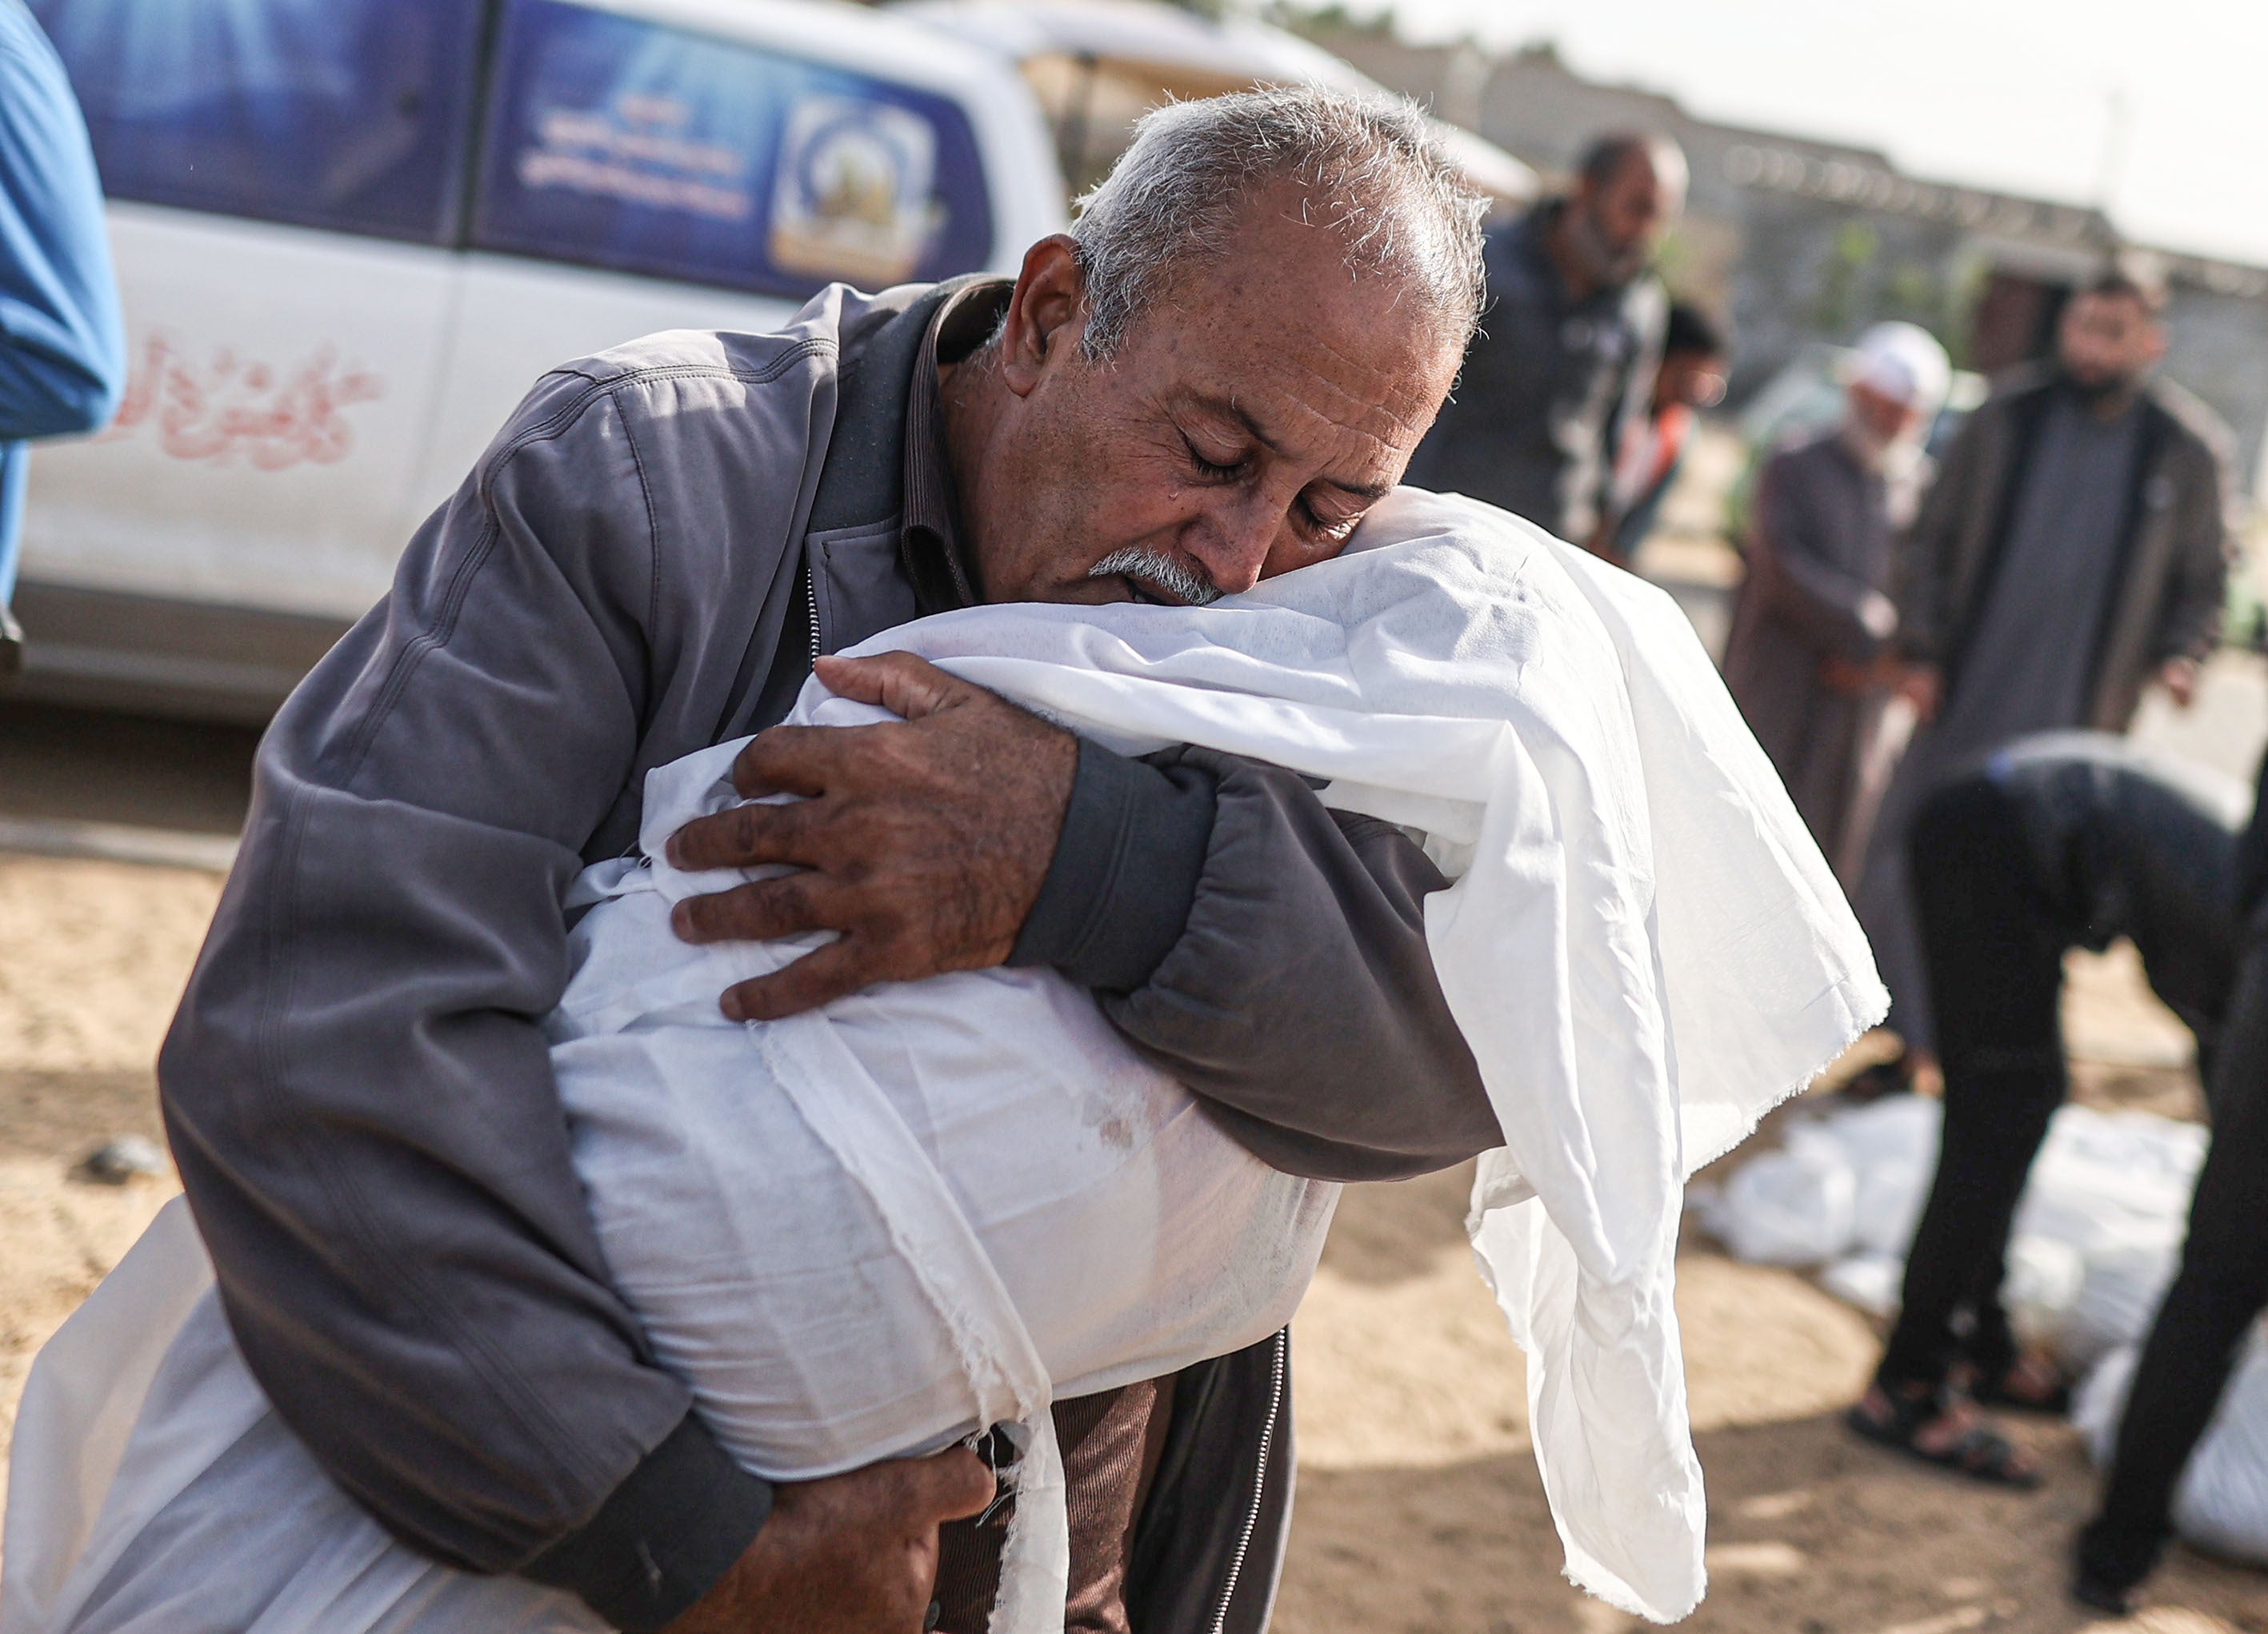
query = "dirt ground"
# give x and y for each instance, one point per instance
(1419, 1508)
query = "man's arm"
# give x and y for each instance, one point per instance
(1271, 954)
(61, 341)
(357, 1089)
(2198, 582)
(1632, 404)
(1838, 614)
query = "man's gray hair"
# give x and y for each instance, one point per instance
(1368, 166)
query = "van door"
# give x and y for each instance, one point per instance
(287, 175)
(636, 175)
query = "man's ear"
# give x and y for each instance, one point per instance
(1046, 313)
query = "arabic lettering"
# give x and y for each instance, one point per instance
(635, 152)
(234, 407)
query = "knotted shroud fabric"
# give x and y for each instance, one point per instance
(1642, 945)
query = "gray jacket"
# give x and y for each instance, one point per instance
(359, 1096)
(2174, 543)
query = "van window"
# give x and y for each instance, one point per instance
(345, 113)
(622, 143)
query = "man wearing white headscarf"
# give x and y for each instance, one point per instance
(1810, 659)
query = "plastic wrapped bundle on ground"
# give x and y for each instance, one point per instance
(2221, 1505)
(2097, 1234)
(866, 1231)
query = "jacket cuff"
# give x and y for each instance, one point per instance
(1118, 890)
(664, 1537)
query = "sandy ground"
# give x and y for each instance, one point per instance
(1419, 1507)
(93, 957)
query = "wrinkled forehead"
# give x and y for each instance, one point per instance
(1318, 402)
(1284, 321)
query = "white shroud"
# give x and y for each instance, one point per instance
(1642, 948)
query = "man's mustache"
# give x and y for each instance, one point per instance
(1172, 579)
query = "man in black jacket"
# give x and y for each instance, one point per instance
(1208, 383)
(1574, 336)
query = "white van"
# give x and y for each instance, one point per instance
(351, 233)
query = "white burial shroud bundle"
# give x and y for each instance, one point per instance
(938, 1205)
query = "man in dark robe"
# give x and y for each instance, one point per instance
(1809, 660)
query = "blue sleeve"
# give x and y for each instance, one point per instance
(62, 346)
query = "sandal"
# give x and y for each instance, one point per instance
(2030, 1384)
(1896, 1420)
(2097, 1595)
(1870, 1084)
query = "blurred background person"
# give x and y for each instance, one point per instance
(2074, 549)
(1810, 658)
(1569, 346)
(1691, 378)
(62, 345)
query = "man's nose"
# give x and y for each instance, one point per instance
(1234, 548)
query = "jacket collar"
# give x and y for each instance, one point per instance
(864, 483)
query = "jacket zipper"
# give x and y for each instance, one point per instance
(1259, 1485)
(811, 605)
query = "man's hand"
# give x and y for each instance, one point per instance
(853, 1554)
(2179, 678)
(925, 841)
(1923, 686)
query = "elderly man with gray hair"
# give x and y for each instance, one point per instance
(1809, 659)
(1207, 383)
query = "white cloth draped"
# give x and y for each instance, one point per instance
(1644, 947)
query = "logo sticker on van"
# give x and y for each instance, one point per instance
(854, 195)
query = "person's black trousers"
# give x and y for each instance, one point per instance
(2059, 842)
(1994, 941)
(2201, 1327)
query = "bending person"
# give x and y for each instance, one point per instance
(2059, 840)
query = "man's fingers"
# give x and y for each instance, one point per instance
(907, 686)
(761, 912)
(747, 836)
(951, 1486)
(820, 977)
(787, 759)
